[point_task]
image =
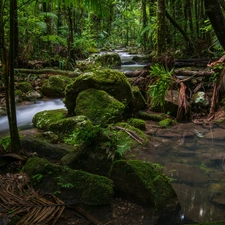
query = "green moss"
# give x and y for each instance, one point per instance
(166, 122)
(19, 94)
(139, 101)
(72, 186)
(138, 123)
(143, 182)
(99, 107)
(55, 86)
(24, 86)
(44, 119)
(122, 134)
(113, 82)
(150, 116)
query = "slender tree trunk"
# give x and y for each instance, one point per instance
(144, 24)
(161, 31)
(14, 134)
(216, 18)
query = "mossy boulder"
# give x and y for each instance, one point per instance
(43, 148)
(113, 82)
(44, 119)
(141, 181)
(55, 86)
(138, 123)
(57, 122)
(103, 147)
(151, 116)
(108, 59)
(98, 106)
(24, 86)
(166, 123)
(139, 102)
(71, 186)
(138, 136)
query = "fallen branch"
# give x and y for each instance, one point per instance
(132, 134)
(48, 71)
(193, 73)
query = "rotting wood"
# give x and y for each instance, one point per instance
(193, 73)
(48, 71)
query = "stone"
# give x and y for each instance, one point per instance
(200, 98)
(140, 181)
(71, 186)
(113, 82)
(55, 86)
(98, 106)
(108, 59)
(139, 102)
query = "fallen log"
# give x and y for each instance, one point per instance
(48, 71)
(193, 73)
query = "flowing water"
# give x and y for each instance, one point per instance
(193, 155)
(25, 114)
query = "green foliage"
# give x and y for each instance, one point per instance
(162, 82)
(37, 177)
(5, 142)
(85, 135)
(109, 140)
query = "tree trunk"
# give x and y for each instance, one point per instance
(144, 24)
(161, 31)
(216, 18)
(14, 134)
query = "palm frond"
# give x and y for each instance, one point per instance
(26, 203)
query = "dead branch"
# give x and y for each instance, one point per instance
(132, 134)
(48, 71)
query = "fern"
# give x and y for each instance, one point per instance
(159, 88)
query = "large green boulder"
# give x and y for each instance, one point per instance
(98, 106)
(113, 82)
(55, 86)
(141, 181)
(101, 146)
(57, 122)
(71, 186)
(108, 59)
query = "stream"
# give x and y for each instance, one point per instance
(193, 155)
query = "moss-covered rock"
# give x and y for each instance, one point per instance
(141, 181)
(151, 116)
(113, 82)
(102, 147)
(55, 86)
(18, 96)
(109, 59)
(57, 122)
(43, 148)
(24, 86)
(31, 96)
(72, 186)
(139, 102)
(138, 123)
(124, 129)
(98, 106)
(44, 119)
(166, 122)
